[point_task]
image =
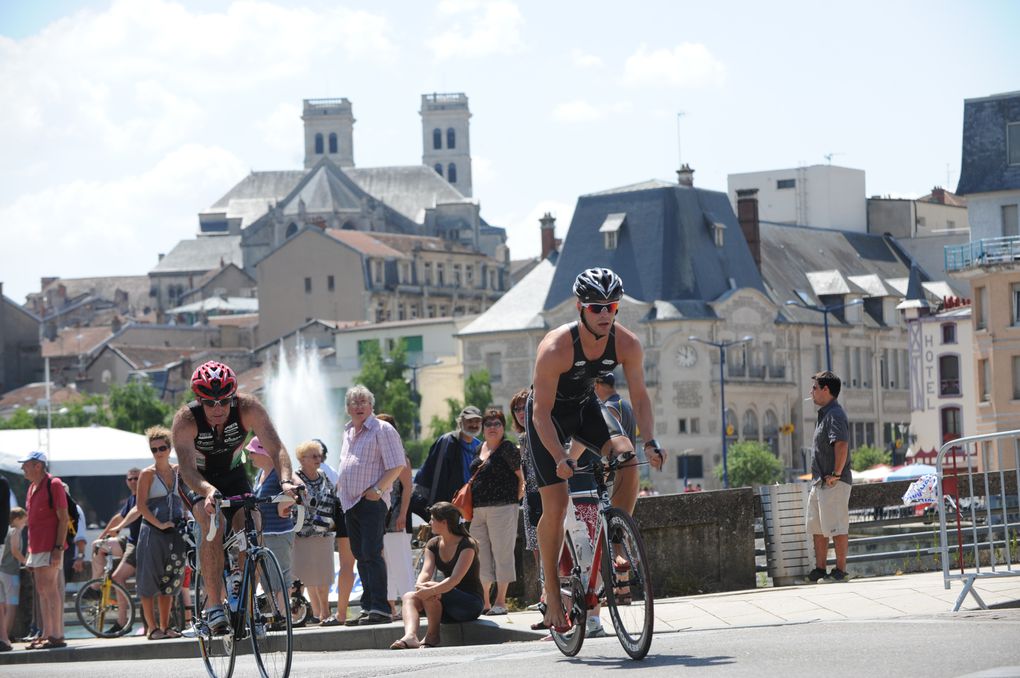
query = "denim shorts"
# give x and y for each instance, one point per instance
(10, 586)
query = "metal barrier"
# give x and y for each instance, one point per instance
(993, 535)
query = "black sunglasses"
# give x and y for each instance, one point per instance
(213, 403)
(161, 448)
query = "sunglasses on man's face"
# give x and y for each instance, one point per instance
(133, 479)
(225, 402)
(598, 308)
(161, 448)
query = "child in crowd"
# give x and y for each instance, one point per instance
(12, 557)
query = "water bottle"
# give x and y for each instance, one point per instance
(582, 542)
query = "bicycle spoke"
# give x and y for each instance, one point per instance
(100, 611)
(218, 651)
(572, 592)
(628, 587)
(269, 617)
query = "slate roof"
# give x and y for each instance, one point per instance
(520, 308)
(984, 165)
(202, 254)
(408, 190)
(665, 250)
(153, 357)
(68, 343)
(103, 287)
(253, 195)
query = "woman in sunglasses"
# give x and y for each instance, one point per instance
(160, 566)
(563, 407)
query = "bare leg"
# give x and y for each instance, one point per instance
(841, 543)
(210, 555)
(821, 543)
(165, 603)
(147, 613)
(345, 578)
(4, 638)
(434, 614)
(550, 542)
(49, 603)
(486, 588)
(625, 487)
(501, 587)
(121, 575)
(412, 621)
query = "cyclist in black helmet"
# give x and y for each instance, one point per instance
(563, 407)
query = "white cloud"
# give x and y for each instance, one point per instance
(116, 227)
(579, 111)
(524, 235)
(283, 130)
(686, 65)
(582, 59)
(490, 28)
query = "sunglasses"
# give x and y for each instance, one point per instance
(213, 403)
(493, 423)
(598, 308)
(133, 479)
(520, 408)
(161, 448)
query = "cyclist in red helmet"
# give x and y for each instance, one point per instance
(563, 407)
(208, 435)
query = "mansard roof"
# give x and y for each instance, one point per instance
(201, 254)
(984, 165)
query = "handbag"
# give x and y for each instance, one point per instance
(463, 500)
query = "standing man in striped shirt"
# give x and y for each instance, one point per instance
(370, 460)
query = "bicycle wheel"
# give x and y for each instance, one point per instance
(573, 594)
(628, 584)
(218, 651)
(272, 639)
(298, 608)
(99, 611)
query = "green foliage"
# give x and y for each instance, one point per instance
(136, 406)
(865, 456)
(20, 419)
(88, 410)
(477, 392)
(417, 450)
(384, 377)
(751, 463)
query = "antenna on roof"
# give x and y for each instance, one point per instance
(828, 156)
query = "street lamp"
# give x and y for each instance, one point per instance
(722, 346)
(825, 311)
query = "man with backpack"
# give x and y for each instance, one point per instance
(47, 538)
(447, 466)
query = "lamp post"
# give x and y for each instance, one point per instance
(722, 346)
(825, 311)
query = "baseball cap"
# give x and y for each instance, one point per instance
(255, 447)
(34, 456)
(471, 412)
(607, 379)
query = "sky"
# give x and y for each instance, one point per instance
(121, 121)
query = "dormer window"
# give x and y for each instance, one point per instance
(1013, 143)
(718, 232)
(611, 229)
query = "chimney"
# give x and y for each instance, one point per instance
(938, 195)
(160, 255)
(46, 280)
(747, 215)
(549, 242)
(685, 175)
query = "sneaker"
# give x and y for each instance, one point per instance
(116, 628)
(375, 618)
(816, 575)
(835, 577)
(356, 621)
(594, 628)
(216, 618)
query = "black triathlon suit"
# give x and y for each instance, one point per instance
(219, 458)
(577, 412)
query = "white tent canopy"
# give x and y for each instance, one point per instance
(92, 451)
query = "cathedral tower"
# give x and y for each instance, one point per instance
(446, 141)
(329, 131)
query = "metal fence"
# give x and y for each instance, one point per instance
(987, 545)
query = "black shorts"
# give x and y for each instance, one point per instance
(230, 484)
(587, 421)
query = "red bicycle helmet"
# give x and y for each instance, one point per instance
(214, 380)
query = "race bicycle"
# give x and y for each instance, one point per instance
(102, 599)
(612, 569)
(257, 598)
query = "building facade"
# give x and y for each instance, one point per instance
(822, 196)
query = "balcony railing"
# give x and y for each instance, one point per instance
(982, 253)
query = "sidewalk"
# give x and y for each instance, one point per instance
(859, 599)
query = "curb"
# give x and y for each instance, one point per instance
(135, 648)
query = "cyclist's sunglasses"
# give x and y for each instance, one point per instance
(161, 448)
(213, 403)
(598, 308)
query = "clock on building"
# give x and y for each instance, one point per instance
(686, 355)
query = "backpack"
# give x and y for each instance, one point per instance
(72, 515)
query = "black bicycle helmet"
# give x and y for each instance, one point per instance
(598, 284)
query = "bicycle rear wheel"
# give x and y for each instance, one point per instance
(628, 584)
(99, 608)
(272, 639)
(572, 593)
(218, 651)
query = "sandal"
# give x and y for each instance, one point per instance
(51, 644)
(171, 633)
(332, 621)
(425, 646)
(156, 634)
(403, 645)
(35, 643)
(539, 626)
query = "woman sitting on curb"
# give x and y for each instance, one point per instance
(456, 599)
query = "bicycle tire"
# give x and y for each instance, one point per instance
(268, 616)
(634, 615)
(93, 614)
(572, 589)
(219, 652)
(298, 609)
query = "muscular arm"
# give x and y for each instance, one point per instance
(632, 357)
(184, 430)
(554, 357)
(255, 418)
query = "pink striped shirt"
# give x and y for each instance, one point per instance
(365, 457)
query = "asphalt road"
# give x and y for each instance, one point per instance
(982, 644)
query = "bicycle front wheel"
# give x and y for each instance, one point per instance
(100, 604)
(572, 594)
(628, 584)
(218, 651)
(272, 638)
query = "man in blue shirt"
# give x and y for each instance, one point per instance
(448, 465)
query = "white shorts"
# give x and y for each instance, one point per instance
(38, 559)
(828, 511)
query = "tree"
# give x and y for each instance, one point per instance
(751, 463)
(477, 392)
(384, 377)
(136, 406)
(866, 456)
